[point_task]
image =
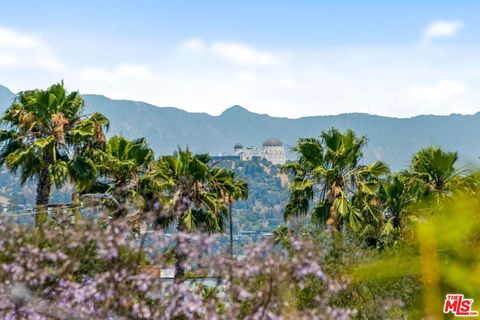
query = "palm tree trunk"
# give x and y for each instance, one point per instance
(231, 228)
(396, 221)
(180, 255)
(76, 206)
(44, 186)
(332, 220)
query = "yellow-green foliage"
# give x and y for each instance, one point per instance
(444, 256)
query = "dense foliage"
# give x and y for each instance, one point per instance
(262, 211)
(357, 241)
(48, 137)
(83, 271)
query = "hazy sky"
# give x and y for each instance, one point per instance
(284, 58)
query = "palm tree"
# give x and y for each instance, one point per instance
(282, 235)
(232, 190)
(198, 195)
(431, 176)
(396, 198)
(47, 136)
(435, 170)
(123, 159)
(120, 167)
(328, 181)
(398, 194)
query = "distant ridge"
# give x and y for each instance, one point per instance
(6, 97)
(236, 109)
(390, 139)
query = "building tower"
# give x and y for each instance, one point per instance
(274, 151)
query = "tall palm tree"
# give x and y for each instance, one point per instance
(398, 194)
(431, 176)
(120, 167)
(328, 179)
(435, 170)
(47, 136)
(396, 198)
(123, 159)
(232, 190)
(198, 195)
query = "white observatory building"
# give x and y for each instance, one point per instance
(272, 150)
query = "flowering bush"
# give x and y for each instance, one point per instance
(85, 271)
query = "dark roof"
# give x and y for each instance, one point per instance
(272, 142)
(220, 158)
(238, 146)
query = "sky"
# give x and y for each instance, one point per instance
(283, 58)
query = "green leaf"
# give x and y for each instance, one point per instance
(342, 206)
(188, 220)
(58, 172)
(43, 143)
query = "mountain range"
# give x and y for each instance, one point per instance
(393, 140)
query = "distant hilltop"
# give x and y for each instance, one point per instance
(390, 139)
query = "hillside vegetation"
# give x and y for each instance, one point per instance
(353, 238)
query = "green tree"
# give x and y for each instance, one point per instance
(330, 183)
(435, 170)
(430, 178)
(420, 190)
(197, 195)
(232, 190)
(47, 136)
(121, 166)
(398, 194)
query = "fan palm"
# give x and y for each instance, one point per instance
(328, 181)
(198, 195)
(397, 195)
(120, 167)
(435, 170)
(47, 136)
(232, 190)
